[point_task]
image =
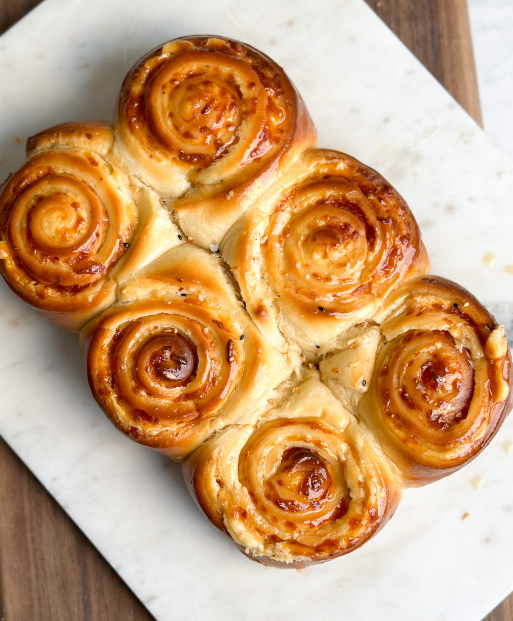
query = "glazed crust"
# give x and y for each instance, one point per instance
(70, 228)
(94, 136)
(323, 250)
(64, 218)
(177, 358)
(209, 123)
(305, 368)
(442, 380)
(302, 486)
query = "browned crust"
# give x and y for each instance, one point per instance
(66, 286)
(417, 466)
(220, 203)
(95, 136)
(198, 472)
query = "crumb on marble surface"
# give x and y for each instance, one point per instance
(489, 259)
(477, 483)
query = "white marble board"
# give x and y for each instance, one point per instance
(370, 97)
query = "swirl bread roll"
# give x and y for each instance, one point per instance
(209, 123)
(441, 382)
(69, 228)
(177, 357)
(304, 485)
(321, 253)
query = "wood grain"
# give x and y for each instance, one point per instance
(13, 10)
(438, 33)
(48, 570)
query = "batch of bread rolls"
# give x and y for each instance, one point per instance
(251, 305)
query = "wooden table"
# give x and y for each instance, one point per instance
(48, 570)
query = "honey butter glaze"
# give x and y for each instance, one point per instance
(210, 122)
(304, 486)
(442, 379)
(251, 305)
(177, 358)
(322, 253)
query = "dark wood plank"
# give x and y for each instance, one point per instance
(48, 569)
(13, 10)
(503, 612)
(438, 33)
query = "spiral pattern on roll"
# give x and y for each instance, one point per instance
(157, 368)
(340, 239)
(304, 480)
(297, 490)
(195, 101)
(439, 390)
(425, 378)
(65, 225)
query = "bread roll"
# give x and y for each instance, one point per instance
(209, 123)
(70, 229)
(321, 253)
(177, 358)
(441, 382)
(303, 485)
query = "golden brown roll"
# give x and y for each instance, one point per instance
(211, 357)
(68, 226)
(210, 123)
(440, 386)
(177, 357)
(321, 254)
(304, 485)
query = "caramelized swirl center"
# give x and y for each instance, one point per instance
(301, 483)
(326, 237)
(293, 474)
(59, 215)
(425, 378)
(330, 239)
(204, 111)
(170, 359)
(174, 365)
(56, 222)
(195, 104)
(62, 230)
